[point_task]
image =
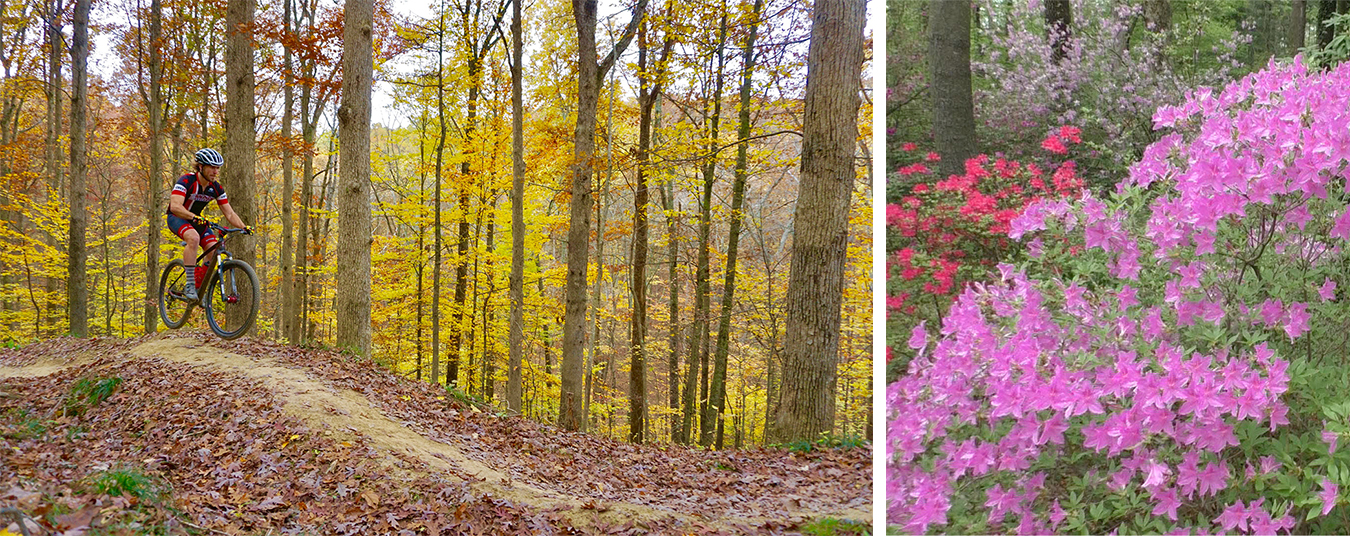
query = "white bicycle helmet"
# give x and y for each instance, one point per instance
(210, 157)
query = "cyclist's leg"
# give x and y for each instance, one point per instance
(185, 230)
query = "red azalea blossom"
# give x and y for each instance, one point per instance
(909, 146)
(1054, 145)
(932, 157)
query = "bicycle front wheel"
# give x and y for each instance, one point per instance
(173, 307)
(231, 300)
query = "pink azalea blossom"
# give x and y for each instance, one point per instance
(1329, 495)
(918, 338)
(1328, 290)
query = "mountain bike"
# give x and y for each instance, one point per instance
(228, 290)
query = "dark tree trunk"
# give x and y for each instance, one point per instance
(718, 395)
(571, 396)
(514, 389)
(1058, 24)
(696, 380)
(290, 310)
(819, 248)
(77, 291)
(1298, 25)
(354, 223)
(1325, 33)
(953, 98)
(155, 180)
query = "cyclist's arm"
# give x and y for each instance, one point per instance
(230, 216)
(178, 209)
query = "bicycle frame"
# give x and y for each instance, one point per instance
(218, 255)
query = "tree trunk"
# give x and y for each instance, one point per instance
(354, 240)
(953, 100)
(436, 241)
(819, 249)
(677, 433)
(1298, 25)
(1058, 23)
(239, 150)
(601, 199)
(1325, 33)
(77, 291)
(514, 390)
(154, 182)
(649, 91)
(462, 253)
(718, 394)
(55, 176)
(697, 359)
(570, 415)
(1158, 15)
(290, 298)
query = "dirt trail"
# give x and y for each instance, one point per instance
(345, 413)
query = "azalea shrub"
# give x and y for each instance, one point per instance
(1115, 72)
(1168, 359)
(945, 232)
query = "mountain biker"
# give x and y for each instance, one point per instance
(191, 193)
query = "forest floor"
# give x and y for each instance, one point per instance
(203, 436)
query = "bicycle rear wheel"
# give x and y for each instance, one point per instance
(173, 307)
(231, 300)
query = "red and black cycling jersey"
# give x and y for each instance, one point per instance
(196, 198)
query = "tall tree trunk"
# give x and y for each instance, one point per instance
(697, 357)
(55, 176)
(290, 298)
(1058, 21)
(354, 239)
(462, 253)
(77, 290)
(953, 99)
(1158, 15)
(155, 180)
(677, 433)
(436, 241)
(570, 415)
(514, 390)
(601, 199)
(240, 152)
(717, 396)
(649, 92)
(1325, 9)
(1298, 25)
(819, 248)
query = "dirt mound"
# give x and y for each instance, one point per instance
(257, 436)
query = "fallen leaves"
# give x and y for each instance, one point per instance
(236, 462)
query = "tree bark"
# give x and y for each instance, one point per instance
(718, 395)
(1058, 21)
(436, 240)
(697, 357)
(953, 98)
(649, 91)
(819, 249)
(290, 312)
(1325, 33)
(240, 129)
(514, 390)
(570, 415)
(77, 291)
(155, 179)
(673, 285)
(55, 175)
(1298, 25)
(354, 239)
